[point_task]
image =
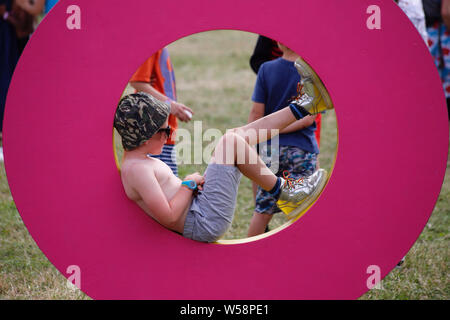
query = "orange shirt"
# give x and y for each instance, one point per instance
(158, 71)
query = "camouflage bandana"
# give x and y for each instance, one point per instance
(138, 117)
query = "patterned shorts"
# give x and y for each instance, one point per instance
(297, 162)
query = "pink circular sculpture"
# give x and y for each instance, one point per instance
(393, 142)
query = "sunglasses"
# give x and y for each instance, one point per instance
(165, 130)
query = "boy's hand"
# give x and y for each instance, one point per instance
(198, 178)
(180, 111)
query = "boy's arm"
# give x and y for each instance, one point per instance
(176, 108)
(147, 186)
(147, 87)
(299, 124)
(257, 112)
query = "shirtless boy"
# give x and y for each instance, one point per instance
(201, 207)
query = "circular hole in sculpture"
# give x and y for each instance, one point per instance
(219, 80)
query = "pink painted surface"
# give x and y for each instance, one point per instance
(393, 142)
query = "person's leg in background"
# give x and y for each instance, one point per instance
(445, 56)
(439, 46)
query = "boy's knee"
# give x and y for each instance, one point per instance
(250, 136)
(225, 149)
(232, 138)
(239, 134)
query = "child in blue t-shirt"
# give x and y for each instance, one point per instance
(276, 85)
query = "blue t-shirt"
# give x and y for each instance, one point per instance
(276, 84)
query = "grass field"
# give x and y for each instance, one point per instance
(214, 78)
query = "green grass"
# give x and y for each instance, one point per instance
(214, 78)
(25, 273)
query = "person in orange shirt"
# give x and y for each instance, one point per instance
(157, 78)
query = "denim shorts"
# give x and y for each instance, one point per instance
(297, 162)
(212, 210)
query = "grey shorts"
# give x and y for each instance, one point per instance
(212, 211)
